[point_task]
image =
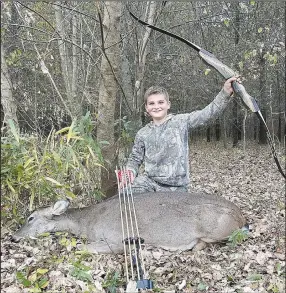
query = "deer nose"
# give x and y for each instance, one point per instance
(14, 239)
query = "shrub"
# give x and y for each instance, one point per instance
(36, 170)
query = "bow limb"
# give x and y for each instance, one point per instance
(211, 60)
(248, 101)
(271, 143)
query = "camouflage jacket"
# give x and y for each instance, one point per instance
(164, 148)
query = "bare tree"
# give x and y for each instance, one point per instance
(69, 58)
(7, 100)
(108, 90)
(69, 47)
(141, 57)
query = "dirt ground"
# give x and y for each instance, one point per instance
(248, 178)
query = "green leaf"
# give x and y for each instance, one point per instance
(28, 162)
(70, 132)
(207, 71)
(23, 280)
(54, 181)
(104, 142)
(26, 283)
(43, 283)
(252, 2)
(57, 158)
(70, 194)
(240, 64)
(275, 59)
(60, 233)
(33, 277)
(32, 197)
(226, 22)
(64, 241)
(14, 130)
(202, 287)
(255, 277)
(42, 271)
(10, 187)
(246, 55)
(81, 275)
(73, 242)
(83, 253)
(91, 152)
(45, 234)
(82, 266)
(65, 129)
(238, 236)
(260, 30)
(5, 170)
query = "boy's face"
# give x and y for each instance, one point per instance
(157, 107)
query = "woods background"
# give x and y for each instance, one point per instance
(73, 75)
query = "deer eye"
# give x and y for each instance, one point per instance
(30, 219)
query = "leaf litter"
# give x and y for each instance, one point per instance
(247, 178)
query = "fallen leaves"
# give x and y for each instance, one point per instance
(248, 179)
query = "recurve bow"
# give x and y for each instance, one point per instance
(248, 101)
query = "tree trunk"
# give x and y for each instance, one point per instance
(7, 100)
(126, 78)
(255, 128)
(68, 60)
(108, 91)
(224, 132)
(217, 129)
(234, 125)
(74, 82)
(244, 129)
(262, 137)
(239, 125)
(262, 81)
(208, 134)
(141, 58)
(279, 130)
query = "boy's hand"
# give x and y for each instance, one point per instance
(228, 84)
(125, 177)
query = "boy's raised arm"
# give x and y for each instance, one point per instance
(215, 108)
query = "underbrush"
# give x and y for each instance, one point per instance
(37, 170)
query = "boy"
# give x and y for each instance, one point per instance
(162, 145)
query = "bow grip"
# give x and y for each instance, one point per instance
(248, 100)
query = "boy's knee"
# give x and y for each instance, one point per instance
(141, 190)
(142, 184)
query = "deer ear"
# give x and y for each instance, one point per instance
(60, 207)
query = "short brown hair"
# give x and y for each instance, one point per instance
(153, 90)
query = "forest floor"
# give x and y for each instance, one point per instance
(248, 178)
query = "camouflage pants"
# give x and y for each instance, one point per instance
(143, 183)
